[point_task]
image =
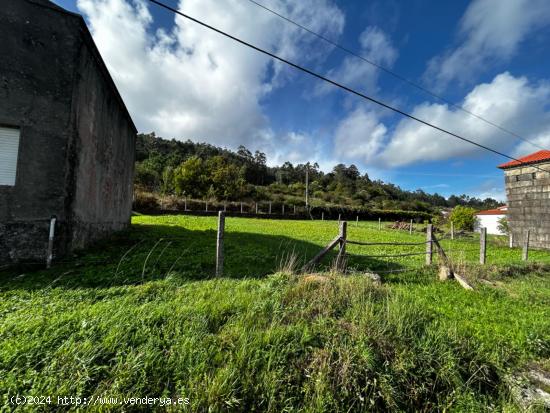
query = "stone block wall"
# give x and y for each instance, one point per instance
(528, 194)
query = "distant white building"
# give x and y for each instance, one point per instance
(489, 219)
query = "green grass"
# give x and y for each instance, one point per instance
(262, 340)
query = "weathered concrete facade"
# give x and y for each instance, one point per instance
(528, 193)
(77, 140)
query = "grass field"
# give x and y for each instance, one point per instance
(142, 315)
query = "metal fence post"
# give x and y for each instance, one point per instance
(49, 252)
(429, 244)
(219, 244)
(525, 255)
(482, 245)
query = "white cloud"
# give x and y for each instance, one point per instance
(508, 101)
(377, 47)
(360, 135)
(188, 82)
(490, 30)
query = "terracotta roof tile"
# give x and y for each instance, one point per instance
(540, 156)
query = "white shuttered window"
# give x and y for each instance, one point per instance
(9, 147)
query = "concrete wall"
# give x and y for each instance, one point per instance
(528, 193)
(77, 140)
(490, 222)
(37, 48)
(105, 147)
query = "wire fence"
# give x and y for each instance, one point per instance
(138, 255)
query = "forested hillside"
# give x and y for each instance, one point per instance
(204, 171)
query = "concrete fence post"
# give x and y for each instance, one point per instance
(411, 227)
(379, 224)
(340, 259)
(219, 244)
(482, 245)
(510, 240)
(525, 254)
(49, 252)
(429, 244)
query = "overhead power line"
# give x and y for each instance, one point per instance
(394, 74)
(339, 85)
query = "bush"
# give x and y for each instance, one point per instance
(463, 218)
(503, 226)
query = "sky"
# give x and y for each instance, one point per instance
(183, 81)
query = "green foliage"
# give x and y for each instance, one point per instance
(243, 175)
(189, 178)
(463, 217)
(503, 225)
(105, 327)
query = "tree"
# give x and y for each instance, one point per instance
(189, 178)
(463, 217)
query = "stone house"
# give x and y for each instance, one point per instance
(67, 140)
(528, 192)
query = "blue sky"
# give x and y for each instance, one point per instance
(184, 82)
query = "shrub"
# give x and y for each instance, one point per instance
(463, 218)
(503, 226)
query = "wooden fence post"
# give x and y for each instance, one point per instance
(452, 230)
(411, 227)
(379, 224)
(482, 245)
(219, 244)
(340, 259)
(429, 242)
(49, 252)
(511, 239)
(525, 255)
